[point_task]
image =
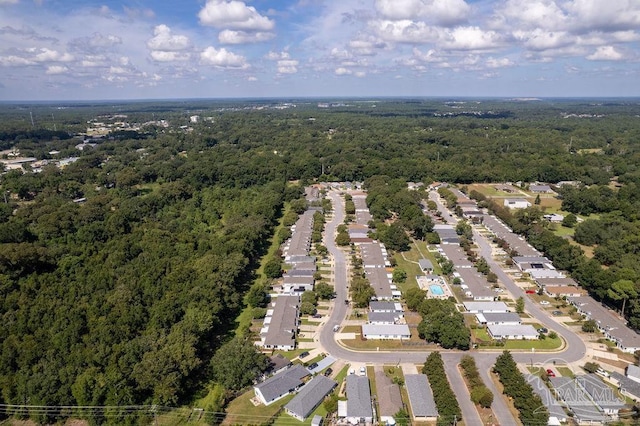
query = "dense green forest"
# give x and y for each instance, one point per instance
(125, 298)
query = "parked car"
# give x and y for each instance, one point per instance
(316, 315)
(550, 373)
(352, 371)
(531, 292)
(328, 371)
(312, 366)
(303, 354)
(543, 330)
(557, 313)
(363, 371)
(544, 302)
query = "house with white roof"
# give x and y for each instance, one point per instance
(386, 331)
(516, 203)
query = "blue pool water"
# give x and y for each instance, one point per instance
(436, 290)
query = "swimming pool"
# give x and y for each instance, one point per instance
(436, 290)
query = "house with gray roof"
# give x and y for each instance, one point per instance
(502, 318)
(553, 406)
(423, 407)
(601, 394)
(425, 265)
(626, 385)
(297, 284)
(309, 397)
(280, 324)
(583, 408)
(280, 385)
(357, 408)
(613, 326)
(384, 306)
(384, 317)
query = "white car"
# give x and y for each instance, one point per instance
(544, 302)
(363, 371)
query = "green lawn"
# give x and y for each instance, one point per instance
(545, 345)
(242, 411)
(565, 371)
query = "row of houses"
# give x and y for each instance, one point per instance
(374, 255)
(280, 324)
(501, 323)
(556, 284)
(385, 321)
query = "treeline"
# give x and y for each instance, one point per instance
(124, 299)
(480, 393)
(448, 409)
(529, 405)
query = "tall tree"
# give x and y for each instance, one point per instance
(622, 290)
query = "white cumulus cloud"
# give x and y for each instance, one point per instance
(343, 71)
(233, 15)
(606, 53)
(243, 37)
(443, 12)
(222, 58)
(164, 40)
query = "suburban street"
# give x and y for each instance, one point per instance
(573, 351)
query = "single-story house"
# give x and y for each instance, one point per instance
(386, 331)
(557, 414)
(384, 306)
(540, 189)
(278, 363)
(309, 397)
(281, 385)
(389, 397)
(357, 408)
(498, 318)
(281, 324)
(516, 203)
(384, 317)
(297, 284)
(486, 307)
(512, 332)
(564, 291)
(423, 406)
(601, 394)
(553, 217)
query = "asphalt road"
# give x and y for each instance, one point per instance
(574, 350)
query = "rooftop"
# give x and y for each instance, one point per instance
(310, 396)
(358, 396)
(420, 395)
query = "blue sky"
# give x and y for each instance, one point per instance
(141, 49)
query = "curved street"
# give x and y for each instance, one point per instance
(573, 351)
